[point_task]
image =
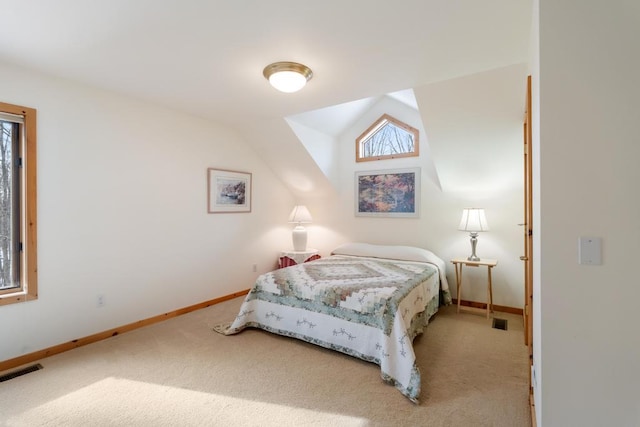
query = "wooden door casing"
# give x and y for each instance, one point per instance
(528, 229)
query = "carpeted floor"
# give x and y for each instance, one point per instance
(182, 373)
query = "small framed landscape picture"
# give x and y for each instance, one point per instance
(391, 193)
(228, 191)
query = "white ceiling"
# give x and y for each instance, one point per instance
(206, 56)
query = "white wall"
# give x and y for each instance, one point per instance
(536, 374)
(122, 212)
(487, 108)
(381, 230)
(474, 128)
(321, 147)
(589, 345)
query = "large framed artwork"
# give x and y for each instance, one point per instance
(228, 191)
(388, 193)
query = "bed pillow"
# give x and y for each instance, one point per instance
(403, 253)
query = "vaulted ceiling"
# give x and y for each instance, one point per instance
(205, 57)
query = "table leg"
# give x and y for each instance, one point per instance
(489, 292)
(459, 283)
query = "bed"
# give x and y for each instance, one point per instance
(367, 301)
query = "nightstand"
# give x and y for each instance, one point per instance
(458, 263)
(289, 258)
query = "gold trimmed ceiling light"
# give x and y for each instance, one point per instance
(287, 76)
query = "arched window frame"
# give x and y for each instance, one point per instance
(399, 151)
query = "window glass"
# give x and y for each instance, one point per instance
(9, 206)
(387, 138)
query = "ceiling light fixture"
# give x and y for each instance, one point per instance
(287, 76)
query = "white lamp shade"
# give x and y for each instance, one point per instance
(299, 215)
(473, 220)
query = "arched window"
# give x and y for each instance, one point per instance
(387, 138)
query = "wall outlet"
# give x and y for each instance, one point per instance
(100, 300)
(254, 268)
(590, 250)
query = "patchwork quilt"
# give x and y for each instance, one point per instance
(369, 308)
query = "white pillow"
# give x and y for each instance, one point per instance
(404, 253)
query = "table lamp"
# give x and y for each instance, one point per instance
(473, 220)
(299, 215)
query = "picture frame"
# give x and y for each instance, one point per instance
(392, 193)
(228, 191)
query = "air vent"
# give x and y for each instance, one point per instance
(20, 372)
(500, 324)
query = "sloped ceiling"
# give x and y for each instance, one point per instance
(205, 57)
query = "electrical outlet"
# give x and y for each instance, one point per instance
(590, 250)
(100, 300)
(254, 268)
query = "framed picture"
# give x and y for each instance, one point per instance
(388, 193)
(228, 191)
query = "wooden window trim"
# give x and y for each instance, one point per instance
(389, 119)
(28, 230)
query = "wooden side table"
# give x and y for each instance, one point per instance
(489, 263)
(289, 258)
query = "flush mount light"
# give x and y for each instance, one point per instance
(287, 76)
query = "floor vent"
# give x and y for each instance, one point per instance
(20, 372)
(500, 324)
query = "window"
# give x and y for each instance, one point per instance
(18, 254)
(387, 138)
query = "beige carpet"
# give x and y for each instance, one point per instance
(181, 373)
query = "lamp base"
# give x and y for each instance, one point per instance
(474, 242)
(299, 237)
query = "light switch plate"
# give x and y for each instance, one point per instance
(590, 250)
